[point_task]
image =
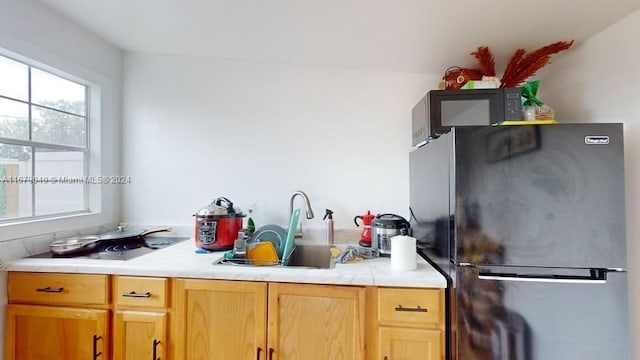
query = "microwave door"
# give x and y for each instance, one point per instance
(452, 108)
(465, 112)
(447, 112)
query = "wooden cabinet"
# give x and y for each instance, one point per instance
(228, 320)
(82, 316)
(410, 324)
(140, 318)
(75, 327)
(82, 290)
(316, 321)
(67, 316)
(405, 343)
(218, 319)
(44, 332)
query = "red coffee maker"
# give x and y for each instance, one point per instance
(365, 235)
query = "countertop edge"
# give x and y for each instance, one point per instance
(181, 261)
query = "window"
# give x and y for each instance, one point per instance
(43, 143)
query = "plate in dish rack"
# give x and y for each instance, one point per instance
(273, 233)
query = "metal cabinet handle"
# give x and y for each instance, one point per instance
(136, 295)
(50, 289)
(385, 358)
(271, 353)
(258, 351)
(155, 349)
(415, 309)
(95, 346)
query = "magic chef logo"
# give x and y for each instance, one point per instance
(596, 140)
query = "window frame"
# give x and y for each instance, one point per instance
(86, 149)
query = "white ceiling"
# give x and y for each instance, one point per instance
(418, 36)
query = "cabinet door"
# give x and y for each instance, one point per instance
(217, 319)
(52, 333)
(316, 321)
(139, 335)
(409, 344)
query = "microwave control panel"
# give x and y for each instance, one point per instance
(512, 104)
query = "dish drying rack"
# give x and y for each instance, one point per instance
(249, 262)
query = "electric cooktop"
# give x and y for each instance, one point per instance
(121, 251)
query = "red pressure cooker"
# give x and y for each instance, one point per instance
(217, 225)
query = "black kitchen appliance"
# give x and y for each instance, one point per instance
(117, 245)
(528, 225)
(440, 110)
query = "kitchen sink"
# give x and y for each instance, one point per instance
(303, 256)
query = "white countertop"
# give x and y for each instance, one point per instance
(181, 260)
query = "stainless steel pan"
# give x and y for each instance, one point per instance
(84, 244)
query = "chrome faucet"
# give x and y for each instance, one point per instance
(307, 205)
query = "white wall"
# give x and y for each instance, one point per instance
(599, 82)
(29, 29)
(197, 128)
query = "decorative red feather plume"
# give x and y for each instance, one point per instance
(486, 61)
(521, 67)
(512, 65)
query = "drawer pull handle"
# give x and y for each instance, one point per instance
(50, 290)
(258, 353)
(415, 309)
(95, 346)
(136, 295)
(271, 353)
(155, 349)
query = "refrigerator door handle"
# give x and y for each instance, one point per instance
(596, 276)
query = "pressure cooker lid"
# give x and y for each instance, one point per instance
(390, 221)
(211, 210)
(220, 207)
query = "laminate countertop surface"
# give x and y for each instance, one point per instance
(181, 260)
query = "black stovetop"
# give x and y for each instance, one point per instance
(121, 251)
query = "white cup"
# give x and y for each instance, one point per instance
(403, 253)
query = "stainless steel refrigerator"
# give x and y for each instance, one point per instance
(528, 224)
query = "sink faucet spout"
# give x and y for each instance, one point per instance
(308, 209)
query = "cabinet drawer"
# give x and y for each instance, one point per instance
(403, 343)
(129, 291)
(411, 307)
(57, 289)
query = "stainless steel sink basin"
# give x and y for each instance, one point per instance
(303, 256)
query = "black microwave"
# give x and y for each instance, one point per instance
(440, 110)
